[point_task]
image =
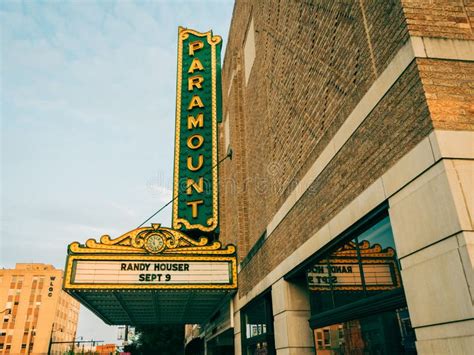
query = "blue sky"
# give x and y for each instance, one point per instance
(87, 121)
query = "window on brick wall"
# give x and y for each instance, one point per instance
(249, 50)
(356, 294)
(257, 326)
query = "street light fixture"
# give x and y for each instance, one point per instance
(51, 337)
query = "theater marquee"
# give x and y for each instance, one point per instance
(159, 275)
(127, 262)
(151, 275)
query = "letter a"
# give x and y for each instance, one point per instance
(195, 102)
(195, 65)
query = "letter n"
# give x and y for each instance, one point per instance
(198, 186)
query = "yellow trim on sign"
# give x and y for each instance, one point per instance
(70, 285)
(135, 242)
(178, 223)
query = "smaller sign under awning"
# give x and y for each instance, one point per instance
(151, 275)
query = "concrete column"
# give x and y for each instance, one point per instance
(291, 311)
(237, 333)
(432, 221)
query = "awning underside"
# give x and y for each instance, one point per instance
(139, 307)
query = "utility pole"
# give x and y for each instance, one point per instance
(51, 338)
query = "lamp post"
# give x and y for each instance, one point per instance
(51, 338)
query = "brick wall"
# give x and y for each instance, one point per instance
(440, 18)
(397, 124)
(449, 90)
(449, 85)
(314, 61)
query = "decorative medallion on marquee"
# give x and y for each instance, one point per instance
(153, 240)
(344, 268)
(198, 105)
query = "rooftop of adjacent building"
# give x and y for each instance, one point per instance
(35, 266)
(26, 267)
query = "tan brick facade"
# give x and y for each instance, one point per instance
(326, 101)
(440, 18)
(35, 310)
(449, 92)
(314, 62)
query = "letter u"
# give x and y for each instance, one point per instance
(190, 164)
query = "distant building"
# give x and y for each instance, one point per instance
(35, 310)
(126, 334)
(105, 349)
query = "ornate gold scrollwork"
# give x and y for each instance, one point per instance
(137, 242)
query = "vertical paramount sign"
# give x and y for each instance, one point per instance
(114, 276)
(198, 97)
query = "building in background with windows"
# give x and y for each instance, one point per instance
(35, 310)
(106, 349)
(349, 195)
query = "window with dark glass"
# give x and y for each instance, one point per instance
(356, 295)
(359, 268)
(257, 327)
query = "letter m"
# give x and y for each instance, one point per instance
(196, 122)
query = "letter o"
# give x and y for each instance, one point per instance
(192, 145)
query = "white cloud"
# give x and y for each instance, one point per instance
(163, 193)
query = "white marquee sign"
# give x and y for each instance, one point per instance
(151, 272)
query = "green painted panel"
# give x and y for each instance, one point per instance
(198, 110)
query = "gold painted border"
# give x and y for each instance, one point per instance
(133, 242)
(183, 33)
(69, 285)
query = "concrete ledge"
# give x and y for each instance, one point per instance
(452, 144)
(292, 331)
(434, 279)
(409, 167)
(443, 48)
(452, 346)
(295, 351)
(447, 330)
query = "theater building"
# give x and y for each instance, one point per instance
(350, 194)
(343, 222)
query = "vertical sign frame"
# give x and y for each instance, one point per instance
(198, 108)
